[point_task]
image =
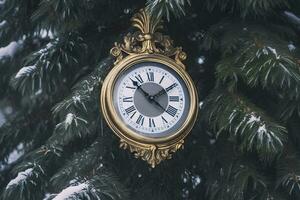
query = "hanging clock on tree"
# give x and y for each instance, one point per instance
(148, 99)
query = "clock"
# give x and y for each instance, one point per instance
(148, 99)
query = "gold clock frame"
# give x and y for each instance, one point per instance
(147, 45)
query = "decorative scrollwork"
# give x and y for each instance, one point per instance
(147, 40)
(152, 153)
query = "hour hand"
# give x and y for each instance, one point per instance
(135, 83)
(158, 104)
(163, 91)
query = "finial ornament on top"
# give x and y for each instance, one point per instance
(147, 40)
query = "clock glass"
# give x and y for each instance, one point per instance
(151, 99)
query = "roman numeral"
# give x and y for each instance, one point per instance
(133, 88)
(171, 87)
(130, 109)
(171, 111)
(127, 99)
(150, 76)
(132, 115)
(174, 98)
(164, 120)
(162, 78)
(151, 122)
(139, 78)
(140, 120)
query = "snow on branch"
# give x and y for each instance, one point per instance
(25, 71)
(161, 8)
(292, 17)
(264, 66)
(247, 8)
(267, 67)
(3, 24)
(229, 112)
(72, 127)
(20, 177)
(104, 186)
(2, 2)
(288, 173)
(72, 191)
(11, 49)
(44, 69)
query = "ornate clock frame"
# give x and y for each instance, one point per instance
(143, 46)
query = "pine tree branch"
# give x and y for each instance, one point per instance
(163, 8)
(247, 8)
(256, 56)
(272, 70)
(14, 13)
(247, 124)
(79, 111)
(62, 16)
(103, 186)
(27, 184)
(25, 130)
(288, 108)
(237, 180)
(288, 174)
(88, 165)
(44, 70)
(33, 173)
(50, 154)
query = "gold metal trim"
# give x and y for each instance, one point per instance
(146, 45)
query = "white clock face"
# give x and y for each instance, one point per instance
(151, 99)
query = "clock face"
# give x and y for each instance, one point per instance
(151, 99)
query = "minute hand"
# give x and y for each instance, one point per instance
(135, 83)
(163, 91)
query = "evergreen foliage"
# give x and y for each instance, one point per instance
(243, 56)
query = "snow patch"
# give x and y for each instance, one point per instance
(71, 191)
(46, 49)
(185, 180)
(2, 119)
(268, 49)
(3, 23)
(38, 92)
(291, 47)
(262, 129)
(16, 154)
(196, 180)
(25, 71)
(76, 98)
(47, 196)
(69, 119)
(2, 2)
(11, 49)
(20, 177)
(201, 60)
(253, 118)
(294, 18)
(201, 104)
(44, 33)
(8, 110)
(212, 141)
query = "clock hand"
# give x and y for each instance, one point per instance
(156, 103)
(163, 91)
(135, 83)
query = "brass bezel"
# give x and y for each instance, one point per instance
(152, 150)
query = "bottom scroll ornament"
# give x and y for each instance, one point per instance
(152, 154)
